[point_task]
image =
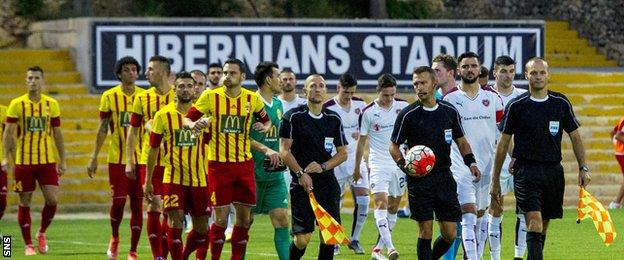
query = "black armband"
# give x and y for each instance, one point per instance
(469, 159)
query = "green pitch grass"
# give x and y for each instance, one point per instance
(88, 239)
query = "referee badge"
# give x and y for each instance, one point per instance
(448, 135)
(329, 144)
(553, 126)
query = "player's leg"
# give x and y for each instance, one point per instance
(3, 191)
(520, 245)
(445, 204)
(344, 180)
(448, 231)
(495, 219)
(619, 199)
(395, 192)
(197, 239)
(361, 195)
(220, 195)
(243, 199)
(483, 203)
(276, 202)
(535, 243)
(47, 178)
(176, 223)
(466, 194)
(135, 192)
(230, 225)
(153, 225)
(119, 186)
(328, 197)
(425, 233)
(380, 183)
(302, 219)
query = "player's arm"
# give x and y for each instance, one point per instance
(8, 141)
(263, 122)
(499, 158)
(60, 147)
(618, 136)
(579, 152)
(268, 152)
(99, 141)
(339, 157)
(469, 159)
(152, 156)
(136, 121)
(287, 157)
(359, 154)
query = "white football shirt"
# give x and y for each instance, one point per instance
(377, 123)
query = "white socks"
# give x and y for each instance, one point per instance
(521, 232)
(495, 236)
(381, 218)
(469, 239)
(482, 234)
(360, 217)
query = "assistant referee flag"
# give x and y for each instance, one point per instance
(331, 231)
(590, 207)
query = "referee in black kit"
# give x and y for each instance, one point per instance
(308, 135)
(536, 120)
(435, 125)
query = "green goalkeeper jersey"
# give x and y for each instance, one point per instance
(270, 139)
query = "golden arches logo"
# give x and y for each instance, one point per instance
(184, 137)
(272, 133)
(36, 124)
(232, 124)
(124, 119)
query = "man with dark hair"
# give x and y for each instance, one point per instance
(200, 82)
(308, 136)
(184, 179)
(536, 120)
(288, 85)
(145, 106)
(504, 72)
(387, 181)
(349, 108)
(115, 108)
(484, 75)
(271, 191)
(445, 67)
(231, 176)
(214, 75)
(435, 125)
(31, 154)
(480, 111)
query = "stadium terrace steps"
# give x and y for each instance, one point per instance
(565, 48)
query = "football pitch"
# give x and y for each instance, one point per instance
(88, 239)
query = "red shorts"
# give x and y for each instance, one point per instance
(620, 159)
(121, 185)
(157, 177)
(231, 182)
(193, 200)
(25, 176)
(3, 182)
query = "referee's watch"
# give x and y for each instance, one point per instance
(584, 168)
(299, 174)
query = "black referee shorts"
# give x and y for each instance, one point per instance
(436, 192)
(327, 194)
(539, 187)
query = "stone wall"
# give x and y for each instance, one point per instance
(600, 21)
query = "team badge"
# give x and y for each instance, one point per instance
(279, 114)
(398, 111)
(448, 135)
(376, 127)
(358, 111)
(329, 144)
(486, 102)
(553, 126)
(247, 107)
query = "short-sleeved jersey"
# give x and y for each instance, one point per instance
(271, 139)
(34, 129)
(349, 117)
(3, 112)
(183, 151)
(434, 127)
(117, 107)
(536, 126)
(479, 117)
(231, 123)
(377, 124)
(619, 146)
(514, 93)
(314, 137)
(298, 101)
(145, 106)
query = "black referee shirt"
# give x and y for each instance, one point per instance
(435, 128)
(314, 138)
(536, 126)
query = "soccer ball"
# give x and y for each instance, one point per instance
(419, 160)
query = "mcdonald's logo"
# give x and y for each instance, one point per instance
(184, 138)
(232, 124)
(124, 119)
(36, 123)
(271, 135)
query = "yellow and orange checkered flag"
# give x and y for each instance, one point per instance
(331, 231)
(590, 207)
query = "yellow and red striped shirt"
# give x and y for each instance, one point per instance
(146, 104)
(34, 129)
(231, 123)
(117, 106)
(183, 151)
(3, 113)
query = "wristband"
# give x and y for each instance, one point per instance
(324, 166)
(469, 159)
(299, 174)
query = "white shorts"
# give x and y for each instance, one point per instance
(506, 179)
(344, 175)
(388, 179)
(469, 191)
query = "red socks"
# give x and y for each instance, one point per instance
(240, 236)
(46, 217)
(217, 238)
(153, 232)
(136, 222)
(175, 243)
(116, 215)
(164, 230)
(3, 204)
(23, 218)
